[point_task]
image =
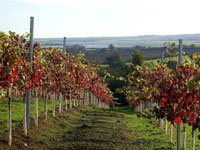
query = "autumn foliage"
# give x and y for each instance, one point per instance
(52, 70)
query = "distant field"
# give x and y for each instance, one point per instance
(126, 41)
(185, 58)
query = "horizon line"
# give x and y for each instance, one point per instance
(107, 36)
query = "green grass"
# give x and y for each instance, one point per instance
(153, 132)
(104, 66)
(145, 131)
(16, 107)
(185, 58)
(92, 128)
(89, 128)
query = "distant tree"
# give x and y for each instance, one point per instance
(185, 46)
(77, 48)
(137, 57)
(137, 47)
(103, 50)
(118, 68)
(111, 47)
(192, 46)
(171, 64)
(97, 60)
(2, 34)
(115, 61)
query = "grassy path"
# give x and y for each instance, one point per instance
(89, 128)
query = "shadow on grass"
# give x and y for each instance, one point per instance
(125, 110)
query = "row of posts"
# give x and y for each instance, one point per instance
(142, 106)
(94, 100)
(89, 98)
(86, 98)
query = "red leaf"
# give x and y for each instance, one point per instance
(177, 120)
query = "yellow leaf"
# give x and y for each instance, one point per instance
(138, 80)
(121, 78)
(173, 44)
(195, 56)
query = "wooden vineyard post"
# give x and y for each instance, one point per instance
(95, 100)
(80, 98)
(160, 123)
(77, 102)
(24, 114)
(30, 57)
(87, 98)
(70, 101)
(160, 119)
(83, 99)
(36, 108)
(64, 44)
(45, 105)
(178, 136)
(140, 110)
(143, 106)
(91, 102)
(184, 138)
(91, 99)
(61, 103)
(166, 125)
(99, 103)
(9, 117)
(193, 141)
(74, 103)
(151, 106)
(104, 105)
(171, 133)
(162, 58)
(65, 103)
(53, 105)
(178, 142)
(180, 51)
(85, 94)
(16, 92)
(60, 111)
(85, 102)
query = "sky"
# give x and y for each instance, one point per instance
(94, 18)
